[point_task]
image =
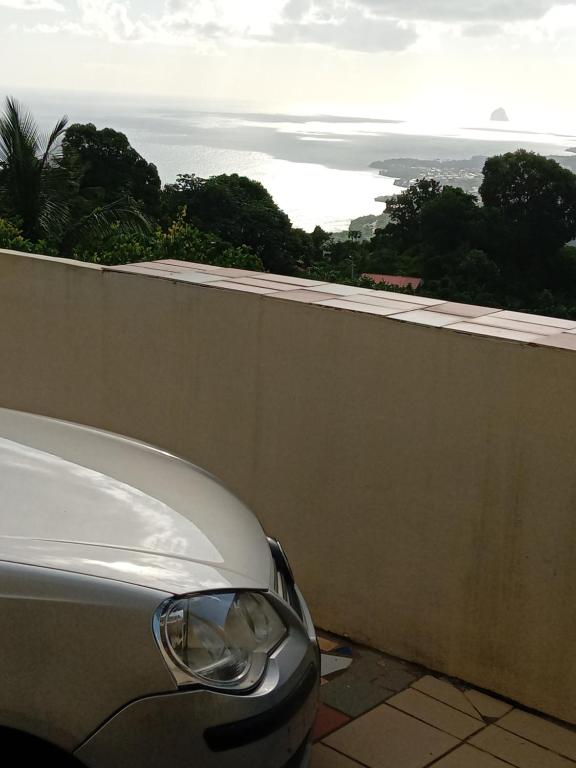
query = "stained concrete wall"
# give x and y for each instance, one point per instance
(423, 481)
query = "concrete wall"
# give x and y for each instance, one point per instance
(423, 481)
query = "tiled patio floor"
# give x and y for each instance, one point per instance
(380, 712)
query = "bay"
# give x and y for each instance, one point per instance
(317, 167)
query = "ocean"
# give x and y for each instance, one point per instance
(317, 167)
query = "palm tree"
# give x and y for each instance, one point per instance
(28, 171)
(36, 187)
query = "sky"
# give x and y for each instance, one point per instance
(383, 57)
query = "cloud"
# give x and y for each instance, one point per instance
(173, 22)
(111, 19)
(352, 32)
(33, 5)
(379, 25)
(481, 30)
(461, 10)
(296, 9)
(357, 25)
(183, 21)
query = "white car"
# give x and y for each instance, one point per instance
(146, 618)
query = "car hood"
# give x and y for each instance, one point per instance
(90, 502)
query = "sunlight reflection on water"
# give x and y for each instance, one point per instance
(310, 194)
(315, 165)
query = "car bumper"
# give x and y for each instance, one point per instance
(269, 727)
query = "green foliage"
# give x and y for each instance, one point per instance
(186, 242)
(179, 195)
(28, 176)
(106, 168)
(405, 212)
(506, 253)
(11, 239)
(181, 241)
(241, 212)
(534, 194)
(447, 220)
(100, 201)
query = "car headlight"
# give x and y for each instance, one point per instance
(222, 640)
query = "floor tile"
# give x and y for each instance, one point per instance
(517, 751)
(326, 644)
(422, 301)
(385, 671)
(134, 270)
(382, 301)
(302, 282)
(325, 757)
(344, 650)
(542, 732)
(523, 317)
(388, 663)
(339, 290)
(463, 310)
(331, 664)
(233, 272)
(388, 738)
(155, 265)
(351, 290)
(200, 278)
(353, 695)
(428, 317)
(447, 693)
(190, 265)
(487, 706)
(328, 720)
(560, 341)
(469, 757)
(234, 285)
(496, 321)
(354, 306)
(272, 285)
(306, 296)
(500, 333)
(395, 679)
(435, 713)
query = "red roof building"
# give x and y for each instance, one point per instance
(400, 282)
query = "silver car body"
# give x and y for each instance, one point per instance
(97, 531)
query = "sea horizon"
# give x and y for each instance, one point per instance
(316, 166)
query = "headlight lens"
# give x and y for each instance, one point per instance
(222, 639)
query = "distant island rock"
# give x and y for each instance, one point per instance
(499, 116)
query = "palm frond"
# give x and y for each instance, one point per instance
(51, 143)
(19, 136)
(123, 213)
(53, 218)
(28, 175)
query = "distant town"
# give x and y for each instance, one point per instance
(466, 174)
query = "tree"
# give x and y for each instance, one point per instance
(446, 221)
(537, 197)
(28, 176)
(242, 212)
(180, 241)
(405, 210)
(107, 169)
(179, 195)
